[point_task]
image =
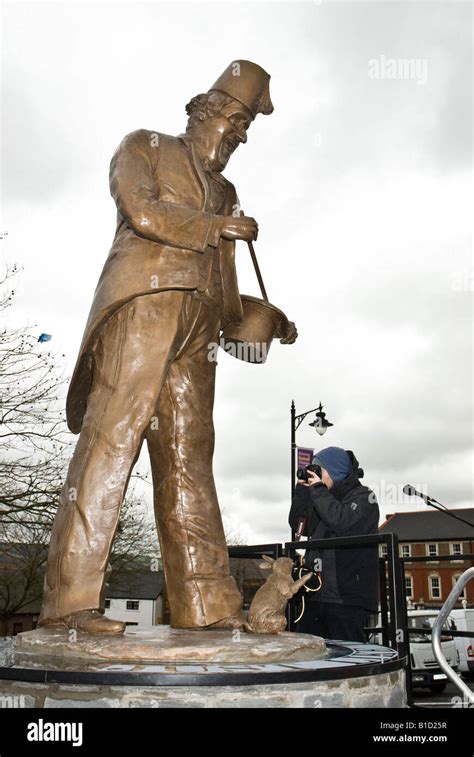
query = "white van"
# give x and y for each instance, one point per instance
(425, 671)
(464, 621)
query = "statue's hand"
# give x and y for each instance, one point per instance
(291, 335)
(240, 227)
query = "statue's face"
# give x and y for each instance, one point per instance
(224, 133)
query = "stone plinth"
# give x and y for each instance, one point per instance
(160, 644)
(286, 670)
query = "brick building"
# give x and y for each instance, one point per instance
(433, 534)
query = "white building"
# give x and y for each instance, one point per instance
(136, 598)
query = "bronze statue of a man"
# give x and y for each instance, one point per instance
(168, 287)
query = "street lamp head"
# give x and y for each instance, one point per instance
(320, 423)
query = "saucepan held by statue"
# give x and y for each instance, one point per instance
(250, 340)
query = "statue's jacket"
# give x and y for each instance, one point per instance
(165, 239)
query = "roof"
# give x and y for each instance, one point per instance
(429, 525)
(146, 584)
(12, 591)
(31, 608)
(22, 567)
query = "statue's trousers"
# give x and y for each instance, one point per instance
(152, 380)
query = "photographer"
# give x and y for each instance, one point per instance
(331, 505)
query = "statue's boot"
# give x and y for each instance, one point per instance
(236, 620)
(90, 621)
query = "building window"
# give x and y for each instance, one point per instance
(405, 550)
(432, 550)
(107, 604)
(133, 604)
(409, 587)
(383, 550)
(435, 587)
(456, 549)
(456, 577)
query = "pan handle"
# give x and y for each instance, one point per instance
(257, 271)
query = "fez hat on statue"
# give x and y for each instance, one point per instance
(247, 83)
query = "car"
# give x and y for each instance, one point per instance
(425, 670)
(464, 621)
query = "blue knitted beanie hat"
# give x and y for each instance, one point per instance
(336, 461)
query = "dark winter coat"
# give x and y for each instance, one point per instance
(349, 575)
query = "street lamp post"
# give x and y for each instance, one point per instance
(320, 425)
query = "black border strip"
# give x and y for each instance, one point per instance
(200, 679)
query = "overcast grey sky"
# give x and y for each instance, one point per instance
(361, 185)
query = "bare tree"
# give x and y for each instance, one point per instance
(24, 551)
(234, 532)
(35, 447)
(33, 434)
(136, 545)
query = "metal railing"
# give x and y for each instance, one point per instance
(428, 632)
(393, 629)
(436, 634)
(391, 585)
(256, 552)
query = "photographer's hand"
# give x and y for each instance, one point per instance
(313, 478)
(299, 482)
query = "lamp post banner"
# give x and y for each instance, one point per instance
(304, 456)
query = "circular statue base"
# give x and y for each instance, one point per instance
(164, 667)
